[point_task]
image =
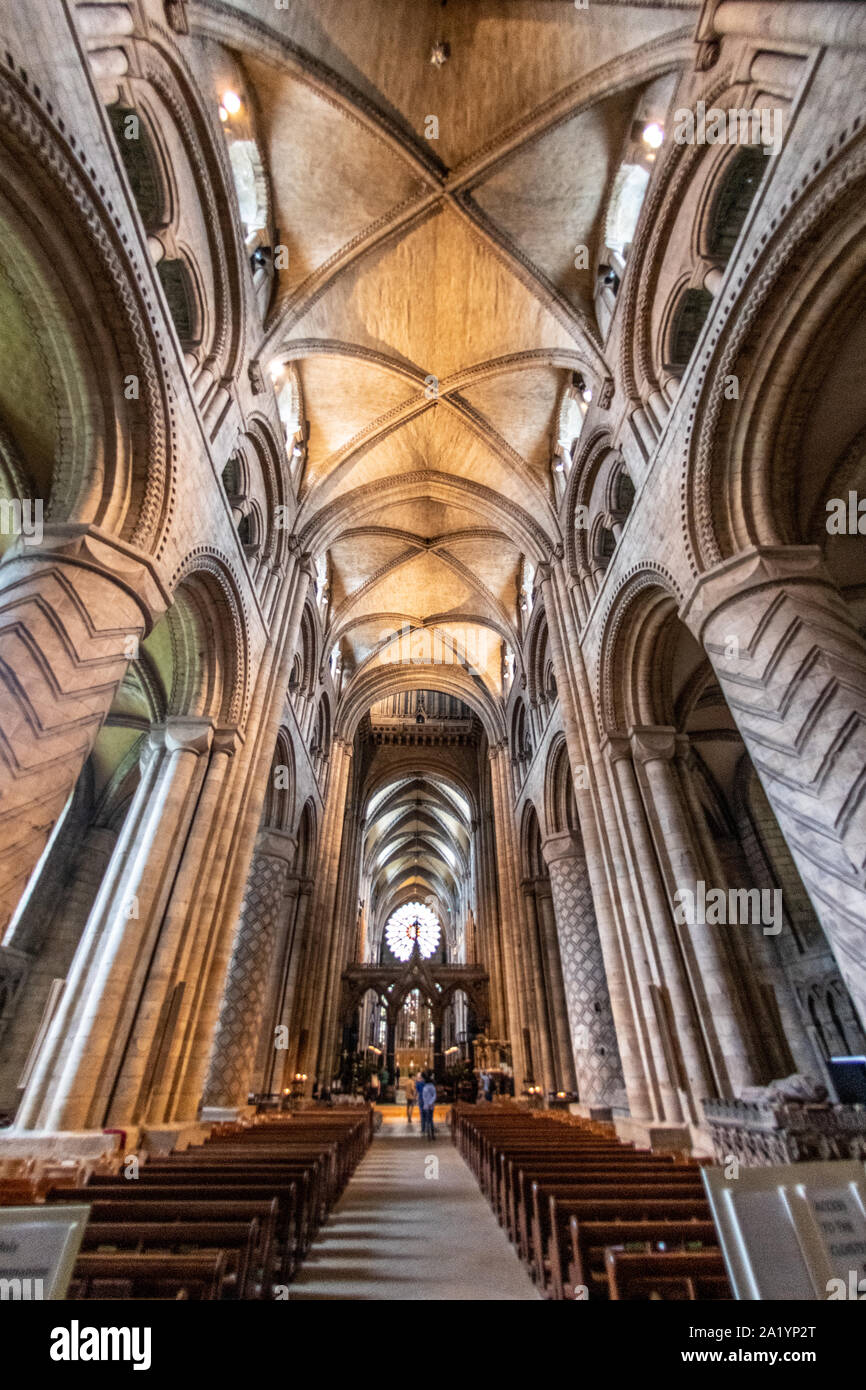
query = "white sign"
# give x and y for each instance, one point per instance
(794, 1231)
(38, 1249)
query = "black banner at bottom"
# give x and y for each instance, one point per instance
(145, 1338)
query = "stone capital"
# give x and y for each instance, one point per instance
(615, 747)
(228, 741)
(653, 743)
(276, 844)
(757, 568)
(87, 547)
(184, 733)
(566, 845)
(307, 565)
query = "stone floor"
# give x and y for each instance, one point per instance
(412, 1224)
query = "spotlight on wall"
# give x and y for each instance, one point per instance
(652, 135)
(231, 102)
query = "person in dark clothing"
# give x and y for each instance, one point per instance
(427, 1104)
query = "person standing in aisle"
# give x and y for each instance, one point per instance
(427, 1103)
(410, 1097)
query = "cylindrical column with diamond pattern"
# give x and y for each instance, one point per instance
(593, 1035)
(240, 1017)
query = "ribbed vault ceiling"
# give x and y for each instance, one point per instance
(432, 310)
(416, 847)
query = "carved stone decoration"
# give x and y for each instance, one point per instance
(605, 394)
(762, 1133)
(176, 16)
(237, 1033)
(596, 1054)
(434, 982)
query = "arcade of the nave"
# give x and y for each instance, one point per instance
(417, 478)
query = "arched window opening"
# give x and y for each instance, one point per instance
(550, 690)
(296, 675)
(247, 531)
(177, 287)
(819, 1031)
(522, 743)
(231, 478)
(251, 186)
(690, 316)
(735, 195)
(323, 590)
(606, 546)
(571, 417)
(623, 494)
(836, 1021)
(140, 163)
(288, 397)
(626, 201)
(507, 667)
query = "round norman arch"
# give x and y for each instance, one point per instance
(560, 806)
(208, 634)
(793, 302)
(634, 667)
(109, 462)
(376, 684)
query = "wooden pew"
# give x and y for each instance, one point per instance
(239, 1240)
(200, 1276)
(520, 1194)
(242, 1190)
(614, 1208)
(680, 1274)
(245, 1204)
(546, 1251)
(589, 1240)
(312, 1198)
(163, 1216)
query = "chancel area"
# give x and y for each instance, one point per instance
(433, 646)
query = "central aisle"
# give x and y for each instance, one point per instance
(398, 1234)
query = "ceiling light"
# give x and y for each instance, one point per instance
(224, 115)
(231, 102)
(652, 135)
(440, 53)
(276, 370)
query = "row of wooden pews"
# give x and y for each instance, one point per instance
(229, 1219)
(590, 1213)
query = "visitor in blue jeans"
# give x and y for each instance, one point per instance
(427, 1103)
